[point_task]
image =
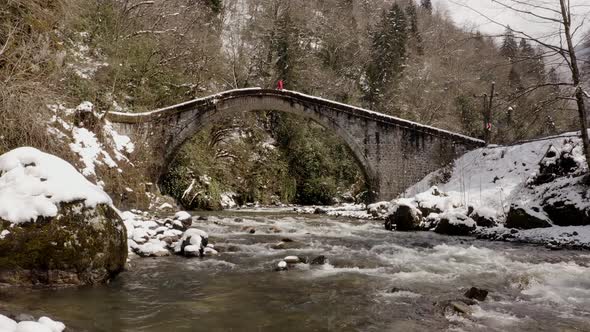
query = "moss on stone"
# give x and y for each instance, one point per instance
(79, 246)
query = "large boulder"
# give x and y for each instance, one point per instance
(455, 223)
(405, 218)
(483, 217)
(524, 217)
(57, 228)
(567, 213)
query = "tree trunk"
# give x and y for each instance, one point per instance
(576, 77)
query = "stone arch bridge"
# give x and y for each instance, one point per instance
(393, 153)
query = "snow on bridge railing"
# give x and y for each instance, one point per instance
(297, 95)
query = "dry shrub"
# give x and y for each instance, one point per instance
(24, 121)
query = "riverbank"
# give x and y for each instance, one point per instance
(372, 279)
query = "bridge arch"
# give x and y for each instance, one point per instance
(393, 153)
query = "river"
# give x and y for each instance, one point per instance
(531, 288)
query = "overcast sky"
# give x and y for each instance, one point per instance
(462, 15)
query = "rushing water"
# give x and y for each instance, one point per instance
(531, 288)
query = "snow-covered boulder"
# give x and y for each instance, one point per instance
(184, 218)
(434, 201)
(454, 222)
(63, 230)
(228, 200)
(379, 209)
(526, 217)
(483, 216)
(192, 243)
(405, 217)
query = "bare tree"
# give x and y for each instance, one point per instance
(560, 44)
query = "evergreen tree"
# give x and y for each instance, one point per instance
(416, 37)
(509, 48)
(388, 53)
(526, 51)
(514, 79)
(216, 6)
(285, 45)
(426, 5)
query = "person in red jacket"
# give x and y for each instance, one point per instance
(280, 85)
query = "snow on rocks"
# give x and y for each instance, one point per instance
(404, 217)
(347, 210)
(281, 266)
(152, 248)
(227, 200)
(161, 237)
(79, 227)
(571, 237)
(533, 186)
(44, 324)
(192, 243)
(455, 222)
(166, 207)
(32, 186)
(182, 215)
(182, 220)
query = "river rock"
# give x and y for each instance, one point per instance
(274, 229)
(461, 308)
(483, 217)
(319, 260)
(455, 223)
(404, 218)
(249, 229)
(292, 259)
(24, 317)
(282, 266)
(476, 293)
(209, 251)
(526, 218)
(287, 245)
(55, 326)
(320, 210)
(185, 218)
(192, 243)
(152, 248)
(79, 246)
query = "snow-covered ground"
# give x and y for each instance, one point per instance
(86, 144)
(489, 181)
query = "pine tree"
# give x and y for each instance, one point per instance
(416, 37)
(514, 79)
(509, 48)
(388, 54)
(285, 47)
(216, 6)
(426, 5)
(526, 51)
